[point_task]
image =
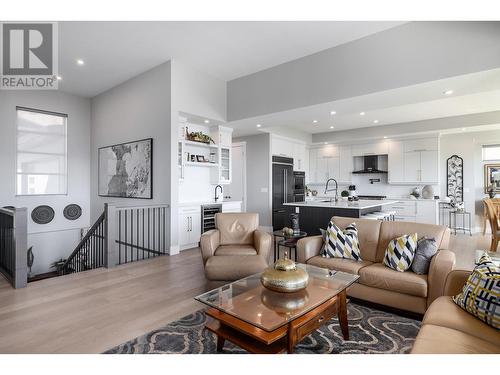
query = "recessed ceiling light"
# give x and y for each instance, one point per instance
(258, 125)
(80, 62)
(448, 92)
(207, 121)
(333, 113)
(326, 143)
(464, 129)
(331, 127)
(362, 113)
(315, 121)
(375, 121)
(59, 78)
(385, 137)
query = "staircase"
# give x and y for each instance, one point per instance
(121, 234)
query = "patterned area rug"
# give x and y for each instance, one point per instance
(371, 331)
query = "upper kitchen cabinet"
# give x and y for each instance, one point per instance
(375, 148)
(330, 161)
(281, 146)
(223, 139)
(414, 161)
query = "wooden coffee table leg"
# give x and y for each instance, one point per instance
(220, 343)
(344, 325)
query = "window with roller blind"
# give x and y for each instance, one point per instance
(41, 152)
(491, 152)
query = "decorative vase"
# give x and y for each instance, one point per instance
(284, 276)
(294, 221)
(428, 192)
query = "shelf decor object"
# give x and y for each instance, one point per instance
(455, 181)
(72, 211)
(126, 170)
(42, 214)
(492, 179)
(198, 137)
(285, 276)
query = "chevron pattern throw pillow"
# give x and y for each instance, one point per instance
(400, 252)
(481, 293)
(341, 243)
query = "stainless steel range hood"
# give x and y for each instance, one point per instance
(370, 165)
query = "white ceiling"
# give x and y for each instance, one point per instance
(116, 51)
(472, 93)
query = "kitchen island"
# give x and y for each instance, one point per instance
(317, 214)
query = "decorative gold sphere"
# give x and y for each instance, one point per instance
(284, 276)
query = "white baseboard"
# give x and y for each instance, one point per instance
(174, 250)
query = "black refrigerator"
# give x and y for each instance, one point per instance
(282, 190)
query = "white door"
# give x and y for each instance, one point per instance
(195, 232)
(184, 229)
(237, 188)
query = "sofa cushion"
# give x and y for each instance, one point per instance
(235, 250)
(368, 234)
(426, 249)
(379, 276)
(236, 228)
(444, 312)
(339, 264)
(231, 268)
(393, 229)
(341, 243)
(400, 252)
(433, 339)
(481, 293)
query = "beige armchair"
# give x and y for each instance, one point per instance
(236, 248)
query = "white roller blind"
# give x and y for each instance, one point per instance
(491, 152)
(41, 152)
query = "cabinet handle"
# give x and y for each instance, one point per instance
(321, 318)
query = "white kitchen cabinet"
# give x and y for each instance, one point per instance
(299, 157)
(375, 148)
(418, 211)
(421, 144)
(281, 147)
(221, 174)
(395, 162)
(345, 164)
(412, 166)
(189, 227)
(429, 168)
(427, 211)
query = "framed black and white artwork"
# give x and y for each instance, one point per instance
(126, 170)
(455, 181)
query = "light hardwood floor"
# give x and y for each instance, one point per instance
(92, 311)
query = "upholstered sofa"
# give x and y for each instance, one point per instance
(236, 248)
(447, 328)
(378, 283)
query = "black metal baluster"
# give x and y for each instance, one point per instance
(126, 237)
(149, 232)
(143, 210)
(119, 237)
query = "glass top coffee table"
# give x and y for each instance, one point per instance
(262, 321)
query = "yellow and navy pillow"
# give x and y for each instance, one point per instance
(400, 252)
(341, 243)
(481, 293)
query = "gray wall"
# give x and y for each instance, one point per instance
(412, 53)
(259, 176)
(136, 109)
(58, 238)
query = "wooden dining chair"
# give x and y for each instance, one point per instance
(493, 218)
(496, 203)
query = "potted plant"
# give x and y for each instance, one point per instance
(58, 265)
(344, 195)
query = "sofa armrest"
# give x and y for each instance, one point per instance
(263, 242)
(210, 241)
(308, 247)
(441, 265)
(455, 282)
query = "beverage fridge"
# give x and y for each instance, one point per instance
(283, 185)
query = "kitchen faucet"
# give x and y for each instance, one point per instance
(336, 188)
(216, 197)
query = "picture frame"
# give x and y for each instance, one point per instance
(490, 170)
(125, 170)
(200, 159)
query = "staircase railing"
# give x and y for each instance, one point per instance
(14, 246)
(91, 252)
